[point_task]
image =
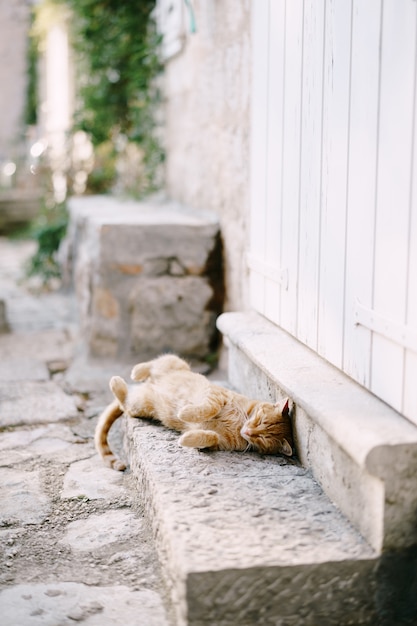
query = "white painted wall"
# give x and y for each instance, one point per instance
(333, 231)
(207, 98)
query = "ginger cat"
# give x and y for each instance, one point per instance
(208, 415)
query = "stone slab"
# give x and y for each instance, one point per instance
(239, 534)
(147, 276)
(363, 453)
(102, 529)
(90, 479)
(44, 345)
(67, 603)
(22, 498)
(52, 442)
(34, 403)
(21, 369)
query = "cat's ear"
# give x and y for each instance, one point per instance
(119, 388)
(285, 410)
(285, 448)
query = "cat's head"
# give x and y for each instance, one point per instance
(268, 429)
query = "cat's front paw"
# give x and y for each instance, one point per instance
(199, 439)
(189, 414)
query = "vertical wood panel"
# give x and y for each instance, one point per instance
(334, 182)
(276, 90)
(334, 179)
(410, 364)
(310, 190)
(291, 160)
(259, 132)
(393, 191)
(363, 144)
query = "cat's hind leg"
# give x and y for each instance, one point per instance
(200, 439)
(141, 371)
(207, 410)
(158, 367)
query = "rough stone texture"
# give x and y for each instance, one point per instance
(339, 593)
(53, 442)
(147, 275)
(53, 503)
(47, 345)
(19, 368)
(34, 402)
(249, 539)
(59, 496)
(22, 497)
(363, 453)
(207, 118)
(68, 603)
(99, 530)
(91, 479)
(169, 312)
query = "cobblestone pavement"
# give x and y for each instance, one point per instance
(75, 546)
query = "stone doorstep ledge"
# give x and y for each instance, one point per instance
(245, 539)
(147, 276)
(362, 452)
(107, 209)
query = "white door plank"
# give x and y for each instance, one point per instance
(410, 364)
(291, 160)
(310, 172)
(259, 133)
(334, 179)
(363, 143)
(393, 191)
(276, 90)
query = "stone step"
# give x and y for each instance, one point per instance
(147, 275)
(248, 539)
(362, 452)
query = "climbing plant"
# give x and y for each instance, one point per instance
(32, 58)
(116, 45)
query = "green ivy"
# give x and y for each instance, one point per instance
(48, 230)
(31, 108)
(116, 46)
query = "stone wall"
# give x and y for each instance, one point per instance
(207, 87)
(147, 275)
(14, 24)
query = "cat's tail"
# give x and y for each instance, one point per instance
(110, 414)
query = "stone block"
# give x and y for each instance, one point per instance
(248, 539)
(148, 277)
(170, 313)
(362, 452)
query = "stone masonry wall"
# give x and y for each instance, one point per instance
(148, 277)
(14, 24)
(207, 88)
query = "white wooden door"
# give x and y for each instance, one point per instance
(333, 234)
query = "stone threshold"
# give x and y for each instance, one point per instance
(248, 539)
(362, 452)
